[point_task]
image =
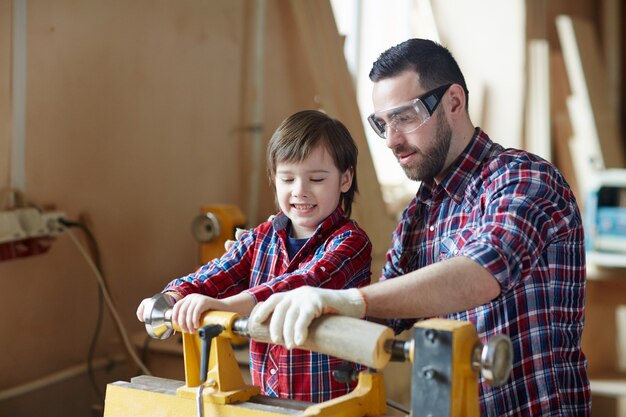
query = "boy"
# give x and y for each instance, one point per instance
(310, 242)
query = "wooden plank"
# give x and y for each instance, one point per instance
(323, 48)
(155, 384)
(537, 137)
(586, 154)
(562, 128)
(6, 61)
(622, 113)
(612, 44)
(598, 341)
(536, 17)
(348, 338)
(594, 120)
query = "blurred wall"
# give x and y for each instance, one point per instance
(137, 114)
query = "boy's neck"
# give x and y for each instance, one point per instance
(291, 234)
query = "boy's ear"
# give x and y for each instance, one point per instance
(346, 179)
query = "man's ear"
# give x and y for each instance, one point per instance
(456, 99)
(346, 179)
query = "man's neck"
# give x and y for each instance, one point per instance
(460, 139)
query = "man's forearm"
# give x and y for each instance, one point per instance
(446, 287)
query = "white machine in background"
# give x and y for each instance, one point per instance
(605, 219)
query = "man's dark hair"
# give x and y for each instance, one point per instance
(433, 63)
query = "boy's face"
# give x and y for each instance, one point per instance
(309, 191)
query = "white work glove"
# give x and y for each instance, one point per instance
(293, 311)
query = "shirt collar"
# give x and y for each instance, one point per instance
(461, 172)
(330, 223)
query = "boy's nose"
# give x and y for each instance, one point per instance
(299, 189)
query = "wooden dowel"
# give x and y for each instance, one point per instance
(348, 338)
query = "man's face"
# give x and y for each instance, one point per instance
(421, 153)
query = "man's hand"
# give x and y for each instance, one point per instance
(292, 312)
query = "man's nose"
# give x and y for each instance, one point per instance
(393, 138)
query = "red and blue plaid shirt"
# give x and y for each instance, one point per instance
(514, 214)
(338, 255)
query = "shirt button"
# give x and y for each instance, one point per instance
(323, 268)
(432, 228)
(272, 371)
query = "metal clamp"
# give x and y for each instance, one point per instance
(494, 360)
(157, 315)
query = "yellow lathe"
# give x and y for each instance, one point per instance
(446, 356)
(216, 224)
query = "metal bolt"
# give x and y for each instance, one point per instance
(428, 372)
(211, 383)
(431, 335)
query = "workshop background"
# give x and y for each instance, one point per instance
(131, 118)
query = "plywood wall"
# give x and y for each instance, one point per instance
(138, 113)
(5, 89)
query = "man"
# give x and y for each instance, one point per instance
(493, 236)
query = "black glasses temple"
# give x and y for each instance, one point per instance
(432, 98)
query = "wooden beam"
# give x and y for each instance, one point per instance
(537, 137)
(612, 43)
(561, 127)
(594, 120)
(6, 12)
(337, 96)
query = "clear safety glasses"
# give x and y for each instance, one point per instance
(409, 116)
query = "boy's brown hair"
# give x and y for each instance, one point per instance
(299, 134)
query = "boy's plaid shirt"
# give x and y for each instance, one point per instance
(337, 256)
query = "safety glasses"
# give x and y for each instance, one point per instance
(409, 116)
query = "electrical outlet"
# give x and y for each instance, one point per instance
(51, 220)
(32, 222)
(26, 231)
(24, 223)
(10, 227)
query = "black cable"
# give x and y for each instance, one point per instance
(94, 339)
(144, 349)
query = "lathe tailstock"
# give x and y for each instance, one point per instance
(446, 355)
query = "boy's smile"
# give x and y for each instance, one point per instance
(309, 191)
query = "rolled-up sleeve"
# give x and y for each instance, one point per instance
(343, 262)
(222, 277)
(524, 210)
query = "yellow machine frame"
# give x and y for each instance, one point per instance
(446, 355)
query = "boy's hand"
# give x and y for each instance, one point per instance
(229, 243)
(238, 232)
(141, 308)
(293, 311)
(142, 305)
(187, 312)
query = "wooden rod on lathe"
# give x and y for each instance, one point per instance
(348, 338)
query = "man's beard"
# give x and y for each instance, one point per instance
(433, 162)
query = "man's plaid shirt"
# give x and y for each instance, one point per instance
(514, 214)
